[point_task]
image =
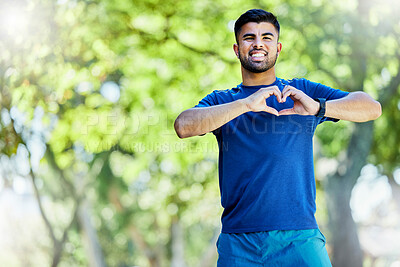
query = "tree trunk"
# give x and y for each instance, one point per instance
(178, 252)
(57, 252)
(344, 238)
(90, 239)
(345, 243)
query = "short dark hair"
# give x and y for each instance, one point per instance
(256, 15)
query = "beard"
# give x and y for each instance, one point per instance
(259, 66)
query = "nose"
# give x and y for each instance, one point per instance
(257, 44)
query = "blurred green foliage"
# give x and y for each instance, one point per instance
(163, 56)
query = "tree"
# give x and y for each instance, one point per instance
(360, 60)
(110, 77)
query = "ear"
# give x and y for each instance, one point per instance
(236, 49)
(279, 48)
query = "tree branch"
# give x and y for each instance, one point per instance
(51, 159)
(202, 52)
(389, 91)
(331, 75)
(42, 212)
(57, 244)
(60, 243)
(170, 35)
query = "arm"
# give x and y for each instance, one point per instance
(356, 106)
(197, 121)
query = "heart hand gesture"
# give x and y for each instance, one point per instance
(256, 101)
(303, 104)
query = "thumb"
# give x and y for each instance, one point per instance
(271, 111)
(288, 111)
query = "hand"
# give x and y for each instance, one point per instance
(303, 104)
(256, 102)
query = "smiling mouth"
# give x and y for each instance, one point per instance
(258, 56)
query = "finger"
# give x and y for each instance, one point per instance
(293, 93)
(278, 94)
(286, 94)
(272, 90)
(271, 110)
(288, 111)
(286, 88)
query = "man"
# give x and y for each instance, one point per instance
(264, 128)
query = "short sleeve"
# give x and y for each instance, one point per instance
(317, 90)
(208, 101)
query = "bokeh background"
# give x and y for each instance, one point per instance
(92, 172)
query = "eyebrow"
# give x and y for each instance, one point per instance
(252, 34)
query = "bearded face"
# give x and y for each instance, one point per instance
(258, 61)
(258, 46)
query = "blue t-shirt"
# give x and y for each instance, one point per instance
(266, 171)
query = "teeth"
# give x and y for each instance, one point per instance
(258, 55)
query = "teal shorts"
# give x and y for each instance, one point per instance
(273, 248)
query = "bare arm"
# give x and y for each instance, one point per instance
(356, 106)
(197, 121)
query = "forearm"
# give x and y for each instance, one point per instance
(356, 107)
(197, 121)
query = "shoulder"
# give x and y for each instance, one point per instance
(225, 95)
(294, 81)
(303, 82)
(299, 83)
(231, 91)
(217, 97)
(308, 87)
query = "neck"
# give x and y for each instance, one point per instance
(263, 78)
